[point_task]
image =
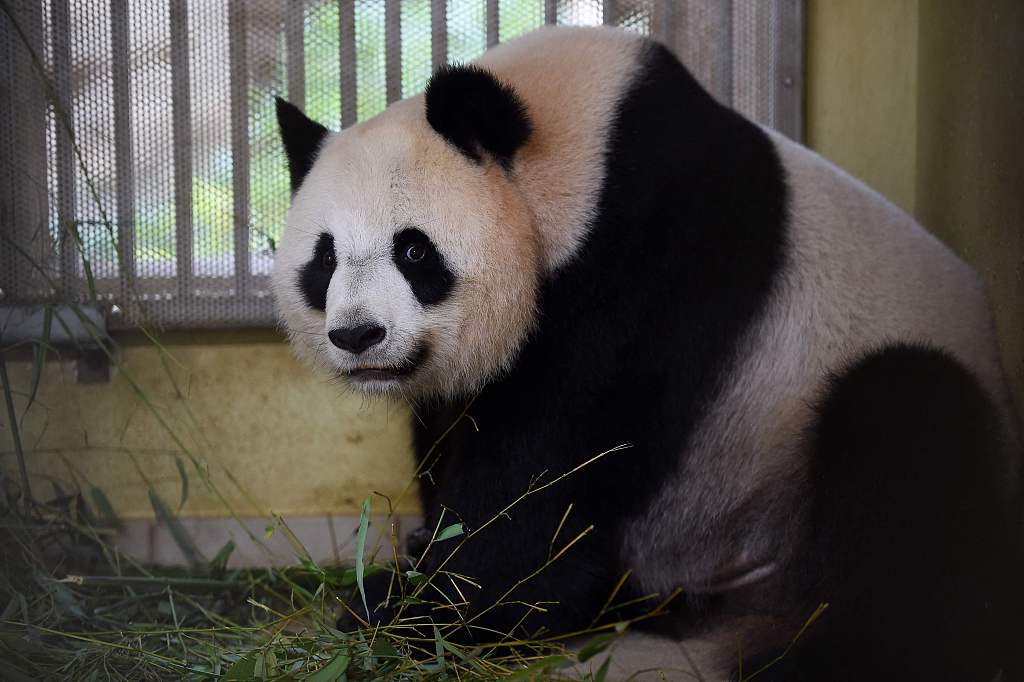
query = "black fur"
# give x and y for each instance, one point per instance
(478, 114)
(910, 534)
(430, 278)
(634, 333)
(302, 138)
(315, 275)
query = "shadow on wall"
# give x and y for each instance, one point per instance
(970, 152)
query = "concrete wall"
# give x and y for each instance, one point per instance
(920, 98)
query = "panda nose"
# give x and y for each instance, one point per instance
(357, 339)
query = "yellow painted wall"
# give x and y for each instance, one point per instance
(296, 443)
(861, 90)
(922, 99)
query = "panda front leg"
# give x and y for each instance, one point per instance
(491, 589)
(507, 576)
(913, 540)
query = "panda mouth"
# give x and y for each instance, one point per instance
(395, 372)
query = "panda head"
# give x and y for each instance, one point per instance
(409, 261)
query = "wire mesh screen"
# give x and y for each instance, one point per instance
(140, 161)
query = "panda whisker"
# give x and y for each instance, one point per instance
(412, 406)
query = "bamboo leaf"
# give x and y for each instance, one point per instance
(364, 524)
(5, 383)
(178, 533)
(292, 538)
(544, 665)
(184, 481)
(219, 563)
(415, 577)
(595, 645)
(382, 648)
(333, 671)
(242, 669)
(452, 531)
(108, 516)
(39, 358)
(62, 596)
(439, 647)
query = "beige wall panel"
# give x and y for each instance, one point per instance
(297, 444)
(861, 90)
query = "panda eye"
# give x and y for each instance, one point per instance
(414, 253)
(327, 261)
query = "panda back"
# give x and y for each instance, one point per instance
(864, 274)
(859, 275)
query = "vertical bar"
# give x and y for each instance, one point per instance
(492, 23)
(293, 40)
(438, 33)
(610, 16)
(663, 27)
(724, 76)
(393, 50)
(238, 30)
(747, 88)
(24, 204)
(347, 62)
(550, 12)
(789, 69)
(181, 112)
(64, 117)
(766, 76)
(11, 272)
(123, 150)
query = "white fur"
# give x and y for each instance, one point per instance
(498, 234)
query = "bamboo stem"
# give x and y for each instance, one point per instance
(15, 433)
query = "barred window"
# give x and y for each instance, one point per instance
(140, 162)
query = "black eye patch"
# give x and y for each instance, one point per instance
(315, 275)
(422, 266)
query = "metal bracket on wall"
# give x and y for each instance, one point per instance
(72, 330)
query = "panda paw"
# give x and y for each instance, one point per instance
(417, 541)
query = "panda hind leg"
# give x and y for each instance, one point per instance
(912, 531)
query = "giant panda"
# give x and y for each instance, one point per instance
(569, 245)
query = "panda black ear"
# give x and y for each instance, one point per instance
(302, 138)
(477, 113)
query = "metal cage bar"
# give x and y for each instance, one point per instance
(610, 13)
(438, 34)
(393, 50)
(123, 153)
(181, 105)
(238, 57)
(492, 19)
(789, 68)
(65, 155)
(347, 62)
(294, 40)
(550, 12)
